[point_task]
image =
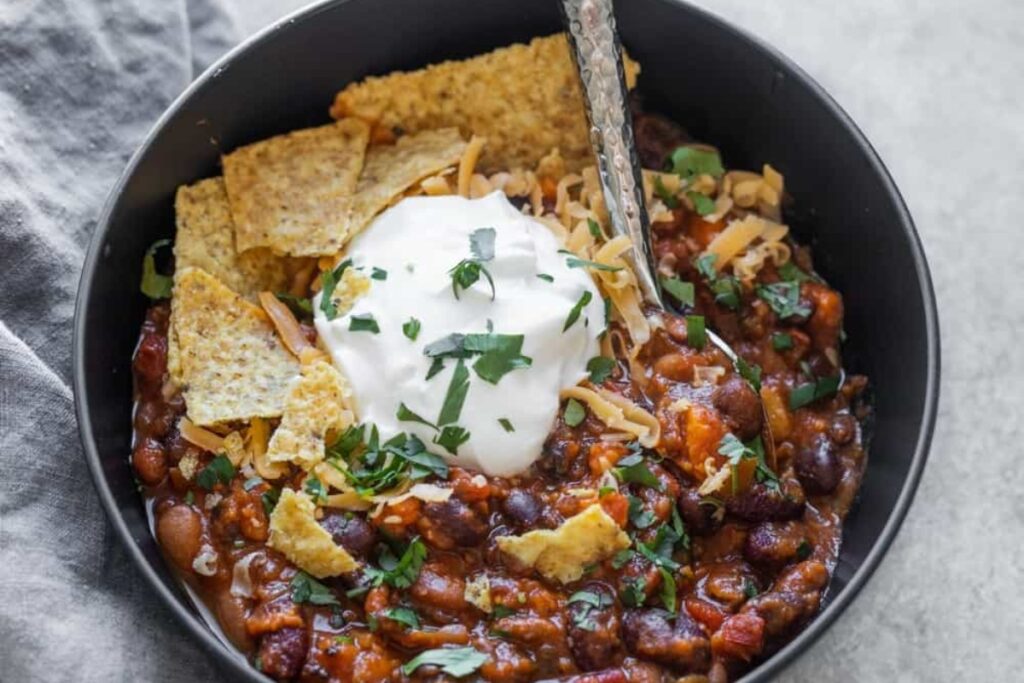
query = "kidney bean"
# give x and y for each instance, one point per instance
(593, 631)
(683, 647)
(353, 533)
(794, 598)
(150, 461)
(283, 652)
(436, 587)
(772, 544)
(698, 518)
(817, 466)
(728, 582)
(179, 530)
(740, 406)
(523, 509)
(759, 504)
(151, 357)
(154, 418)
(843, 429)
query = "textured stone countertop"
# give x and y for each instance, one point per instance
(936, 85)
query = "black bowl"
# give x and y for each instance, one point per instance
(728, 88)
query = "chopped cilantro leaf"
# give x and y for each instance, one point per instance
(574, 413)
(406, 415)
(600, 368)
(633, 468)
(790, 272)
(411, 329)
(668, 589)
(153, 284)
(782, 341)
(455, 396)
(398, 572)
(696, 335)
(219, 470)
(300, 306)
(639, 516)
(466, 273)
(750, 589)
(750, 372)
(269, 500)
(574, 314)
(506, 424)
(690, 162)
(363, 323)
(403, 615)
(683, 292)
(329, 280)
(306, 589)
(481, 243)
(634, 591)
(379, 274)
(316, 489)
(454, 661)
(451, 437)
(663, 194)
(545, 277)
(576, 262)
(784, 299)
(595, 229)
(702, 204)
(620, 558)
(810, 392)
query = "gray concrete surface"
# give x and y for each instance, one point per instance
(936, 85)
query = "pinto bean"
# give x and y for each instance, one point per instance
(155, 418)
(648, 634)
(452, 523)
(151, 357)
(759, 504)
(740, 406)
(351, 532)
(773, 544)
(594, 631)
(283, 652)
(179, 530)
(436, 587)
(231, 613)
(817, 466)
(150, 461)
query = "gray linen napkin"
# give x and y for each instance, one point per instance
(80, 84)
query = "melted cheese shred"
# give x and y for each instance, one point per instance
(618, 412)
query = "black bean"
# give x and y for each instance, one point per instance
(817, 466)
(774, 544)
(522, 508)
(457, 521)
(761, 503)
(698, 517)
(740, 406)
(593, 631)
(351, 532)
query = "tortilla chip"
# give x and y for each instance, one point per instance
(317, 403)
(295, 532)
(563, 553)
(231, 362)
(392, 169)
(291, 193)
(206, 239)
(525, 99)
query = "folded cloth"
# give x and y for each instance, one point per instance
(80, 84)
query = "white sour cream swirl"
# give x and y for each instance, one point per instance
(417, 242)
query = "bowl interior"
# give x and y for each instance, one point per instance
(726, 88)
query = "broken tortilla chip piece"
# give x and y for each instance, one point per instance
(525, 99)
(291, 193)
(392, 169)
(206, 239)
(563, 553)
(317, 403)
(295, 532)
(230, 361)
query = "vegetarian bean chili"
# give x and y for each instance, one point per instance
(711, 583)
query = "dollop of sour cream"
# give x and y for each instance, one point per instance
(416, 244)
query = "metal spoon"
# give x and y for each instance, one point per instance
(596, 49)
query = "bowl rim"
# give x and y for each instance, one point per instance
(226, 657)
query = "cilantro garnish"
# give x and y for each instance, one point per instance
(219, 470)
(620, 558)
(306, 589)
(411, 329)
(499, 353)
(576, 262)
(600, 368)
(750, 372)
(481, 243)
(269, 500)
(329, 280)
(467, 272)
(574, 413)
(790, 272)
(398, 572)
(316, 489)
(402, 615)
(725, 287)
(506, 424)
(683, 292)
(406, 415)
(364, 322)
(702, 204)
(451, 437)
(634, 591)
(379, 274)
(545, 277)
(810, 392)
(639, 516)
(455, 396)
(737, 451)
(454, 661)
(633, 468)
(153, 284)
(782, 341)
(690, 162)
(574, 314)
(696, 334)
(750, 589)
(300, 306)
(595, 229)
(784, 298)
(591, 601)
(372, 466)
(668, 589)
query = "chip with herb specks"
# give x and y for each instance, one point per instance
(525, 99)
(206, 239)
(295, 532)
(292, 192)
(317, 403)
(563, 553)
(230, 362)
(392, 169)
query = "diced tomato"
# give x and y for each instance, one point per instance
(707, 614)
(617, 507)
(741, 636)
